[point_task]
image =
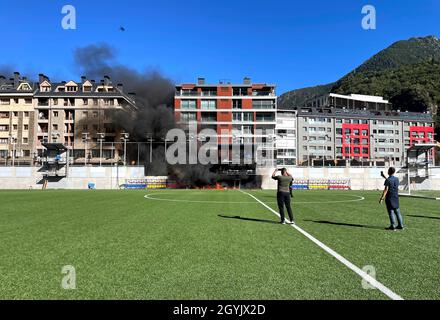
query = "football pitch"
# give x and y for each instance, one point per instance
(192, 244)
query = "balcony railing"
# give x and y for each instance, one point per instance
(262, 93)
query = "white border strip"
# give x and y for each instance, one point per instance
(340, 258)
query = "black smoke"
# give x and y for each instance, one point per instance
(154, 92)
(153, 118)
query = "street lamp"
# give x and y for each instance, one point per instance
(124, 138)
(101, 140)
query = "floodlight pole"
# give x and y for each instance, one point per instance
(150, 137)
(13, 142)
(101, 136)
(86, 139)
(125, 137)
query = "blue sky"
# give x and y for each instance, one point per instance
(290, 43)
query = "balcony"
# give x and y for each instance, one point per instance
(209, 93)
(187, 94)
(262, 93)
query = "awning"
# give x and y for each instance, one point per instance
(55, 147)
(418, 149)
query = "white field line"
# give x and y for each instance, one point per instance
(336, 255)
(151, 196)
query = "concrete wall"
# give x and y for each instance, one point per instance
(361, 178)
(79, 177)
(110, 178)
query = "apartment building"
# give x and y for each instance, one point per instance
(286, 139)
(241, 114)
(372, 137)
(17, 119)
(75, 114)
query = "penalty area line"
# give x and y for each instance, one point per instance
(372, 281)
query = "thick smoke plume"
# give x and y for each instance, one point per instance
(154, 92)
(154, 117)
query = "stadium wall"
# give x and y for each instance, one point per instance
(360, 178)
(78, 177)
(112, 177)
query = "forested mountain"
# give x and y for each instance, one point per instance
(402, 56)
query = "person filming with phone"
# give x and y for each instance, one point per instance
(284, 193)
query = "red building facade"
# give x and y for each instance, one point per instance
(356, 141)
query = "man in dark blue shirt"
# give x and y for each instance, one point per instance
(391, 197)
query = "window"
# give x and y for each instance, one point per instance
(15, 127)
(85, 102)
(26, 114)
(247, 116)
(188, 104)
(95, 114)
(55, 127)
(28, 101)
(263, 104)
(71, 89)
(209, 104)
(209, 117)
(26, 127)
(55, 114)
(237, 104)
(189, 116)
(109, 102)
(25, 140)
(265, 117)
(5, 102)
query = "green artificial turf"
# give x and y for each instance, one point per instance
(211, 245)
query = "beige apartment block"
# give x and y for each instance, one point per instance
(75, 114)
